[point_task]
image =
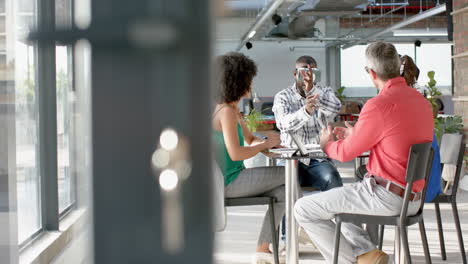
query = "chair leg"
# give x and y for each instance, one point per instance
(337, 242)
(273, 231)
(381, 234)
(405, 243)
(441, 231)
(459, 231)
(422, 230)
(397, 246)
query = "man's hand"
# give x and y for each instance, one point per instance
(326, 135)
(308, 79)
(311, 103)
(343, 132)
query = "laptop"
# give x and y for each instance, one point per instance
(303, 149)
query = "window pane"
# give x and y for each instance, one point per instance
(65, 105)
(65, 110)
(438, 58)
(430, 57)
(353, 76)
(21, 59)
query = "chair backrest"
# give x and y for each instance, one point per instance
(218, 198)
(418, 168)
(452, 150)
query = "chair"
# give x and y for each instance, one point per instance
(220, 203)
(418, 168)
(246, 201)
(450, 155)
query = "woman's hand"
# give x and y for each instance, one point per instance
(273, 140)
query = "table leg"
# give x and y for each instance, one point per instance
(356, 164)
(292, 254)
(270, 162)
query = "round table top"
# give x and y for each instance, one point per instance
(287, 156)
(313, 155)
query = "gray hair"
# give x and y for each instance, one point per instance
(383, 59)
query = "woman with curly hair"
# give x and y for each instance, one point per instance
(234, 82)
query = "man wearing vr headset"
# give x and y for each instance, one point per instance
(304, 109)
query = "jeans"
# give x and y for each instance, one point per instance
(322, 175)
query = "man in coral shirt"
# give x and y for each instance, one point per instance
(388, 126)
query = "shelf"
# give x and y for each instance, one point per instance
(461, 55)
(459, 11)
(460, 99)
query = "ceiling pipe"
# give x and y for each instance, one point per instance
(389, 4)
(406, 6)
(234, 5)
(301, 25)
(264, 15)
(423, 15)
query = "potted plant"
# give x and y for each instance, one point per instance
(449, 125)
(432, 93)
(253, 120)
(340, 94)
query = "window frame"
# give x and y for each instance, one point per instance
(45, 63)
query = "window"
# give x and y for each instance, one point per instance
(19, 91)
(430, 57)
(21, 62)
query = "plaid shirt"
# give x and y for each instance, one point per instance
(291, 116)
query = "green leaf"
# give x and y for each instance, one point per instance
(448, 125)
(431, 75)
(252, 120)
(340, 93)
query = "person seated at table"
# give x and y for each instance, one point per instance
(410, 72)
(387, 128)
(297, 111)
(304, 108)
(234, 82)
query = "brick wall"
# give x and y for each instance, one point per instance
(433, 22)
(459, 4)
(460, 39)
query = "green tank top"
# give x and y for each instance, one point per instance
(230, 168)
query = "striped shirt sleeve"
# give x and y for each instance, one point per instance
(330, 105)
(288, 120)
